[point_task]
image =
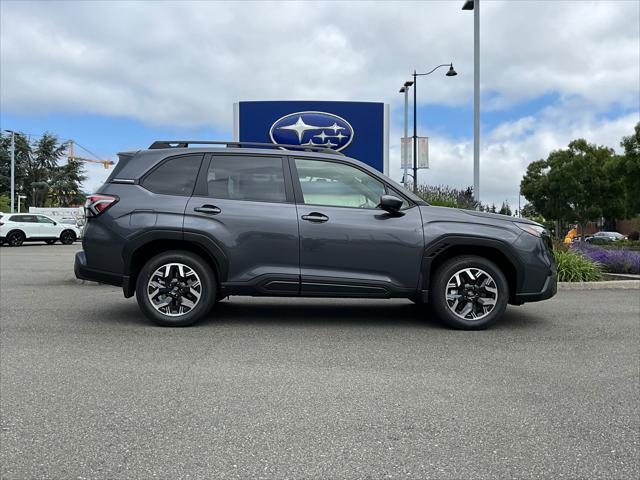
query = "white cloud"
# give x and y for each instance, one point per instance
(184, 64)
(510, 147)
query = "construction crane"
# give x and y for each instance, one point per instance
(71, 156)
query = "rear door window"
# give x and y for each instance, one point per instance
(254, 178)
(175, 176)
(24, 218)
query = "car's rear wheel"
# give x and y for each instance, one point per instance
(67, 237)
(176, 289)
(469, 292)
(15, 239)
(50, 242)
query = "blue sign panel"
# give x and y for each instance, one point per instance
(357, 129)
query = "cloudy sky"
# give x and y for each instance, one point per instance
(116, 75)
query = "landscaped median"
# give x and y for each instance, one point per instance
(585, 266)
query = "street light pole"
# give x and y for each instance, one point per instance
(406, 133)
(13, 170)
(475, 6)
(405, 150)
(19, 197)
(450, 73)
(415, 133)
(476, 99)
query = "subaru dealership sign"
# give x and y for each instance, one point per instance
(358, 129)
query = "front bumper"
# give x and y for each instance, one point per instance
(549, 289)
(83, 272)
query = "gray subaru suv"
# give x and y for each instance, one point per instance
(185, 224)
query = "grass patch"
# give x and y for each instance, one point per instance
(574, 267)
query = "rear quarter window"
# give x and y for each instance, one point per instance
(174, 176)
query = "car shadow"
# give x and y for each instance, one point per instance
(318, 312)
(298, 313)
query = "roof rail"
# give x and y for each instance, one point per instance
(185, 144)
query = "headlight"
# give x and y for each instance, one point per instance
(535, 230)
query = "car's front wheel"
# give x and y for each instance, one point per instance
(469, 292)
(176, 289)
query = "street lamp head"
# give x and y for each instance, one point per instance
(408, 83)
(402, 89)
(451, 72)
(468, 5)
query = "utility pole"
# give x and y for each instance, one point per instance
(450, 73)
(476, 99)
(13, 170)
(415, 133)
(406, 134)
(405, 140)
(475, 6)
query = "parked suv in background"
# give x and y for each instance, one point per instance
(183, 227)
(16, 228)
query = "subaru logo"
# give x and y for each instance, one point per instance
(312, 129)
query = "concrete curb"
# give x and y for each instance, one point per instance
(612, 284)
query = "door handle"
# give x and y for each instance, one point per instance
(315, 217)
(210, 209)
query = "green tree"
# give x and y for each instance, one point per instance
(626, 170)
(65, 184)
(505, 209)
(22, 154)
(529, 211)
(38, 173)
(573, 184)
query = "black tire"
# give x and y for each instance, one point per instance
(50, 242)
(438, 293)
(202, 306)
(15, 239)
(67, 237)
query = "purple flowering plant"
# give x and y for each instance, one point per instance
(613, 260)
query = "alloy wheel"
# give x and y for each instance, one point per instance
(471, 294)
(67, 238)
(15, 239)
(174, 289)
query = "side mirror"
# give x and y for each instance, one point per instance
(55, 223)
(390, 203)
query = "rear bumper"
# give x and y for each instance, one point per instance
(83, 272)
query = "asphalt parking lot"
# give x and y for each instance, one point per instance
(281, 388)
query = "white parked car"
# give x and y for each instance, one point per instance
(16, 228)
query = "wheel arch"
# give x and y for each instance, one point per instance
(143, 249)
(496, 251)
(16, 230)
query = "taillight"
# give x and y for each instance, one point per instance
(97, 204)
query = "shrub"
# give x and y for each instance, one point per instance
(635, 236)
(574, 267)
(445, 196)
(613, 260)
